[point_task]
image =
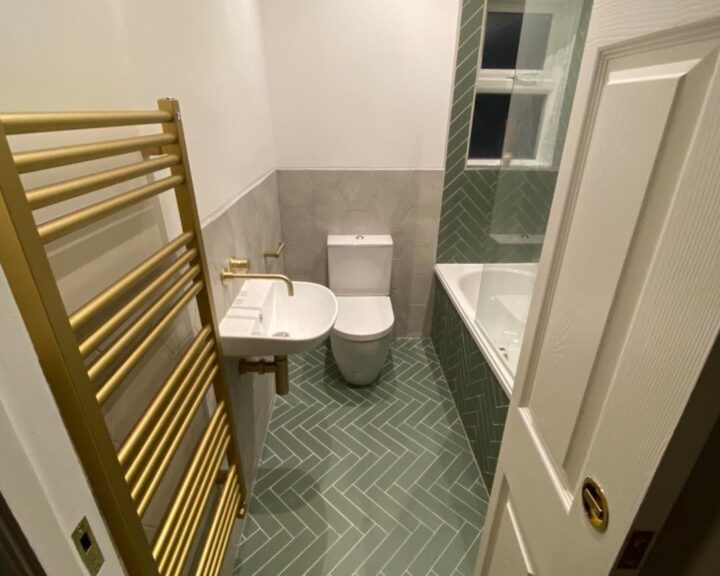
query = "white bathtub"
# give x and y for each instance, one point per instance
(493, 301)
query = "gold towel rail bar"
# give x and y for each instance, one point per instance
(197, 474)
(160, 458)
(122, 324)
(154, 415)
(194, 495)
(216, 546)
(47, 195)
(218, 522)
(202, 452)
(221, 545)
(124, 314)
(147, 468)
(57, 227)
(31, 122)
(81, 316)
(198, 500)
(145, 462)
(144, 346)
(141, 324)
(175, 443)
(53, 157)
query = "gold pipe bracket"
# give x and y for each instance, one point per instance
(277, 252)
(278, 367)
(242, 511)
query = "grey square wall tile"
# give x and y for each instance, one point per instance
(426, 191)
(329, 197)
(295, 188)
(391, 207)
(389, 180)
(329, 219)
(301, 258)
(326, 179)
(363, 222)
(402, 203)
(359, 188)
(298, 225)
(420, 288)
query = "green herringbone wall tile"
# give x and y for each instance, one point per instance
(478, 395)
(480, 201)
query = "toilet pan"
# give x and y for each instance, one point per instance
(360, 339)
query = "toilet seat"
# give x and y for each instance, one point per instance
(363, 318)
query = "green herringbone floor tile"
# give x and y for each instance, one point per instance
(365, 481)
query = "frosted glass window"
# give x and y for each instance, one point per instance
(523, 126)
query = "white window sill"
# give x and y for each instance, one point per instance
(498, 163)
(514, 81)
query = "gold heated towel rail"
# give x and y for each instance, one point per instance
(124, 321)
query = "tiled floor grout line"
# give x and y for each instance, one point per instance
(301, 442)
(366, 492)
(253, 554)
(410, 563)
(319, 559)
(289, 563)
(274, 556)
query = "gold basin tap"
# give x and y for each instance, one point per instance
(227, 274)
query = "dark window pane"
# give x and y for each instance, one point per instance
(502, 40)
(488, 125)
(491, 124)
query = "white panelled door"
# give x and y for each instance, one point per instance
(627, 305)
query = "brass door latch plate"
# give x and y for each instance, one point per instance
(595, 504)
(88, 547)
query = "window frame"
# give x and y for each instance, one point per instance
(524, 81)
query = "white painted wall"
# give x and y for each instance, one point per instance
(360, 84)
(42, 481)
(371, 89)
(351, 84)
(114, 54)
(100, 54)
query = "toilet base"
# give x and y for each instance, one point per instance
(360, 363)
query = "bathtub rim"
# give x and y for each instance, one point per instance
(449, 275)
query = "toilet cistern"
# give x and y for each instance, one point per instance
(237, 269)
(359, 271)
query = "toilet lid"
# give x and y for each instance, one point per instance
(362, 318)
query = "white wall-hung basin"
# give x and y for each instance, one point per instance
(265, 321)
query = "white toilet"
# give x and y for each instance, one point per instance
(359, 269)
